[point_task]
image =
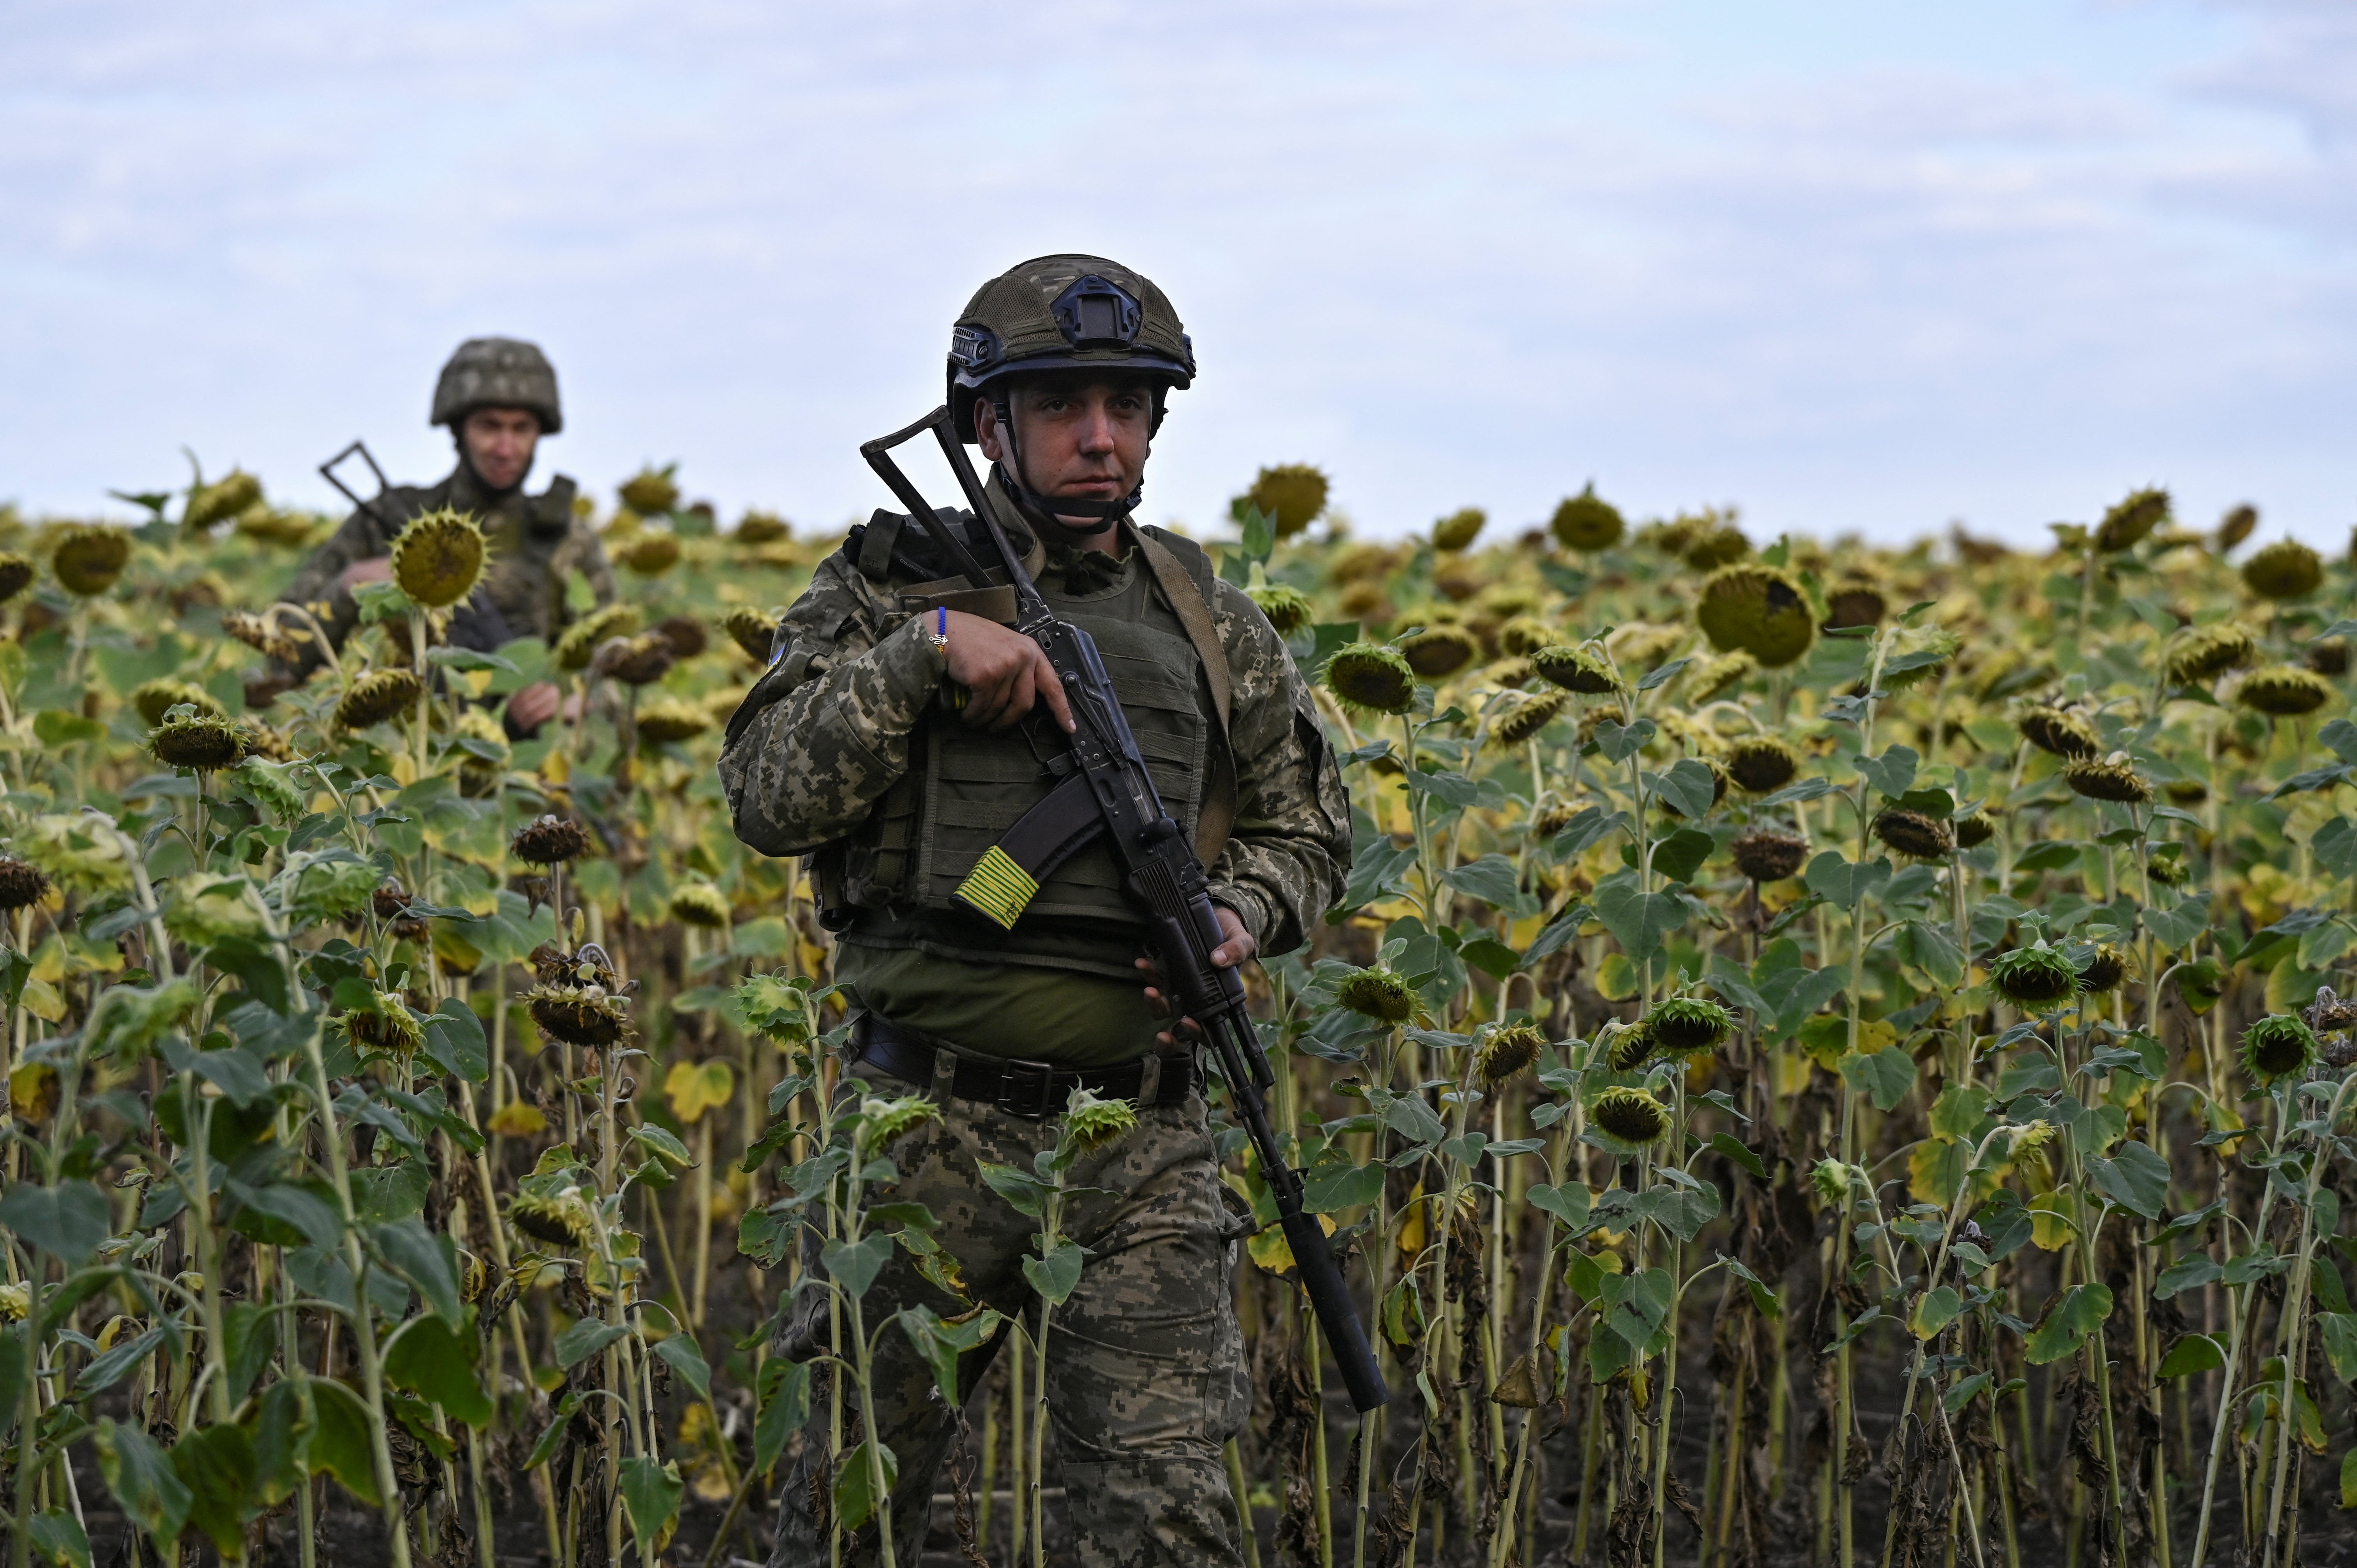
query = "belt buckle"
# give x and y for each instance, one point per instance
(1024, 1088)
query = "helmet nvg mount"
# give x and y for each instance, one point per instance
(1063, 313)
(497, 372)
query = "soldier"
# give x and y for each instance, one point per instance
(497, 396)
(847, 751)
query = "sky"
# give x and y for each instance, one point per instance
(1848, 266)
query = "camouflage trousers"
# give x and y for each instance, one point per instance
(1146, 1379)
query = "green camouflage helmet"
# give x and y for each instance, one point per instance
(497, 372)
(1056, 313)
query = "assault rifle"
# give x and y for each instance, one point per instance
(1106, 788)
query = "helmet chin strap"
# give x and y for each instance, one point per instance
(1053, 511)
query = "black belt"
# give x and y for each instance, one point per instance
(1026, 1089)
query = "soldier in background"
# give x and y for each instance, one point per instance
(498, 398)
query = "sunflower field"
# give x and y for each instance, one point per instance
(1828, 1055)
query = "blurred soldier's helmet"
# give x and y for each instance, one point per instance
(497, 372)
(1058, 313)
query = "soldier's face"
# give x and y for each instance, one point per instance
(1082, 439)
(500, 443)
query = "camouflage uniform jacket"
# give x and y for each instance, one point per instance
(535, 541)
(828, 729)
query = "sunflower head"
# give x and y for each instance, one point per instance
(1630, 1117)
(2103, 971)
(2061, 731)
(1714, 678)
(2284, 691)
(1507, 1050)
(1587, 522)
(1630, 1049)
(651, 553)
(1938, 641)
(16, 572)
(1764, 854)
(2196, 654)
(652, 491)
(579, 644)
(262, 635)
(1369, 678)
(641, 660)
(1855, 604)
(155, 698)
(1688, 1025)
(2130, 521)
(751, 630)
(226, 496)
(1459, 529)
(388, 1026)
(2236, 526)
(439, 558)
(669, 719)
(1974, 831)
(1289, 495)
(1575, 669)
(2284, 570)
(2034, 978)
(1525, 634)
(2113, 778)
(2329, 658)
(1720, 544)
(1759, 609)
(378, 695)
(699, 904)
(202, 743)
(762, 528)
(2278, 1045)
(549, 840)
(1091, 1123)
(1529, 716)
(1288, 609)
(88, 557)
(577, 1015)
(1439, 652)
(1762, 763)
(560, 1218)
(1377, 993)
(22, 884)
(1914, 834)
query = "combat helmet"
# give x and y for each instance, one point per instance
(505, 373)
(1063, 312)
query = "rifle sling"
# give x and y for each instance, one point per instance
(1218, 816)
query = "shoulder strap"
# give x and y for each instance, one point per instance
(1218, 816)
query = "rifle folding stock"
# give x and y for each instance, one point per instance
(1163, 872)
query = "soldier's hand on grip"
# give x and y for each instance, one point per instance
(1004, 672)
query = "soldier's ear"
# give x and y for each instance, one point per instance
(985, 430)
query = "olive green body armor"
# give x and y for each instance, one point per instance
(891, 882)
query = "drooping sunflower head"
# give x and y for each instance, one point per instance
(577, 1015)
(388, 1026)
(2284, 691)
(1855, 604)
(2113, 778)
(2198, 653)
(1688, 1025)
(549, 840)
(202, 743)
(1720, 544)
(1714, 678)
(2103, 971)
(1377, 993)
(580, 641)
(1585, 523)
(2278, 1045)
(2130, 521)
(155, 698)
(1913, 833)
(2034, 978)
(2062, 731)
(750, 629)
(1919, 655)
(1091, 1123)
(16, 572)
(1507, 1050)
(651, 553)
(88, 557)
(1529, 716)
(1370, 678)
(2236, 526)
(378, 695)
(1630, 1118)
(226, 496)
(1439, 652)
(263, 635)
(1762, 763)
(1525, 634)
(641, 660)
(22, 884)
(439, 557)
(2284, 570)
(1575, 669)
(699, 904)
(1288, 609)
(669, 719)
(1759, 609)
(1765, 855)
(1974, 831)
(1291, 496)
(562, 1218)
(1459, 529)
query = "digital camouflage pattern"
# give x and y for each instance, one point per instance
(828, 731)
(1146, 1379)
(536, 543)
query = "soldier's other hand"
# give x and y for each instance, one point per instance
(1003, 672)
(532, 706)
(1236, 944)
(375, 569)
